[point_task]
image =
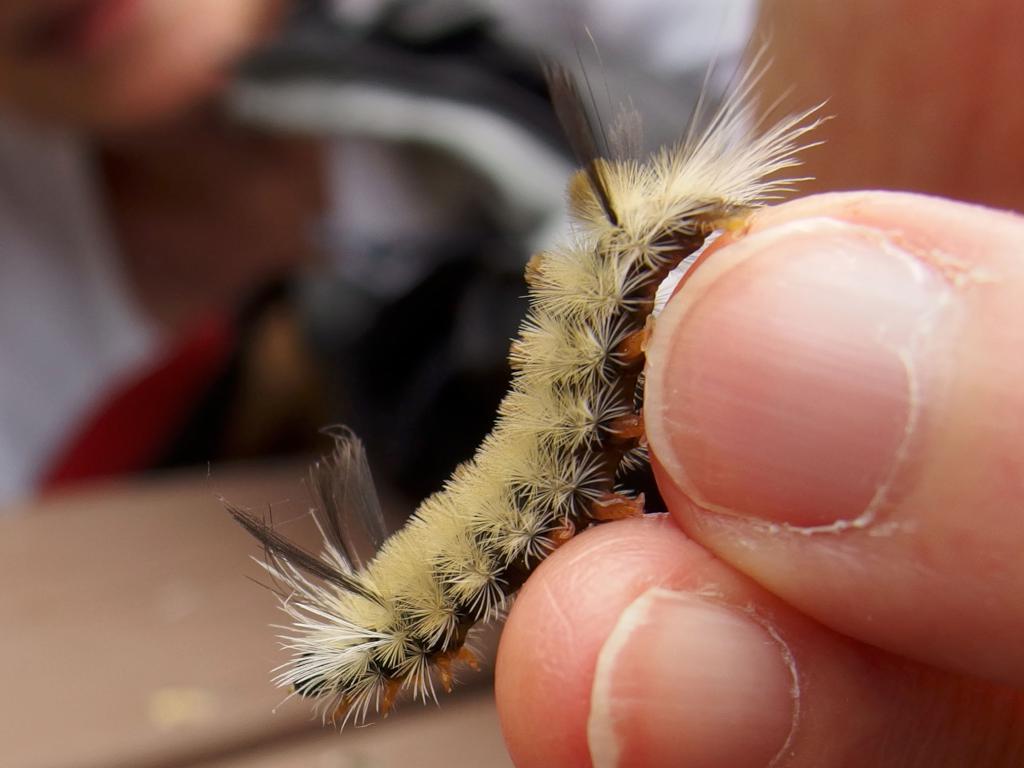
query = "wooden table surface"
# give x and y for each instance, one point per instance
(130, 637)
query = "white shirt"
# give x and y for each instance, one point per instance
(69, 328)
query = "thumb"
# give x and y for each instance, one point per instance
(834, 408)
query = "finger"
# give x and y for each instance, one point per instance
(631, 646)
(835, 408)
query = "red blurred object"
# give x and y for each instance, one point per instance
(131, 428)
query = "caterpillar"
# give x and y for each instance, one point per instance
(570, 425)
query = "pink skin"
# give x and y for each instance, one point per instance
(187, 192)
(899, 634)
(111, 64)
(751, 642)
(780, 401)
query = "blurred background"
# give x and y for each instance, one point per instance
(333, 232)
(228, 224)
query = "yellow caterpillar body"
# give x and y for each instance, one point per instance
(364, 632)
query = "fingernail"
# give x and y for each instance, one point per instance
(786, 382)
(685, 681)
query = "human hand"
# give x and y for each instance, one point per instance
(835, 409)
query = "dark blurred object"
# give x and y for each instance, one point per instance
(456, 57)
(446, 171)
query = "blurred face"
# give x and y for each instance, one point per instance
(112, 63)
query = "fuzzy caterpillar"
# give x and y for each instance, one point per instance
(362, 633)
